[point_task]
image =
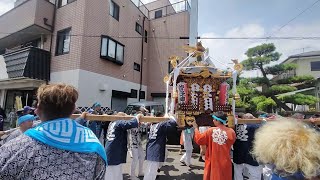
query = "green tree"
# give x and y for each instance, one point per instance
(263, 103)
(246, 89)
(258, 58)
(300, 99)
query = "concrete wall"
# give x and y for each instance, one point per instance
(2, 97)
(18, 2)
(157, 4)
(161, 49)
(99, 22)
(69, 77)
(85, 50)
(304, 67)
(25, 15)
(70, 15)
(83, 67)
(94, 87)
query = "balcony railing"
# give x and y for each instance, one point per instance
(142, 7)
(165, 10)
(29, 62)
(169, 10)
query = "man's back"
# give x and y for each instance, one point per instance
(218, 162)
(116, 145)
(157, 140)
(26, 158)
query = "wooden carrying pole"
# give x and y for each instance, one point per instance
(159, 119)
(153, 120)
(92, 117)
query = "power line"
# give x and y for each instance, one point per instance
(302, 12)
(184, 38)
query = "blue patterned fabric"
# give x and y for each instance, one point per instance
(116, 145)
(156, 146)
(25, 118)
(296, 176)
(66, 134)
(244, 144)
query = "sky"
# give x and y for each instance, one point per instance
(250, 18)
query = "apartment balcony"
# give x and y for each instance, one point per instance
(168, 10)
(25, 22)
(158, 9)
(31, 63)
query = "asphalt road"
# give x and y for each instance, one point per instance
(173, 168)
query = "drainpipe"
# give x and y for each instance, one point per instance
(53, 23)
(52, 33)
(141, 60)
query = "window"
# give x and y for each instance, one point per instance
(111, 50)
(315, 66)
(63, 42)
(64, 2)
(134, 93)
(170, 67)
(142, 95)
(138, 28)
(158, 14)
(114, 10)
(136, 67)
(146, 36)
(119, 52)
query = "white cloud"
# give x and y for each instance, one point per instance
(6, 5)
(225, 50)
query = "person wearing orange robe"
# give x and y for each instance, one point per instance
(218, 140)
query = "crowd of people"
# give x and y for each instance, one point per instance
(58, 147)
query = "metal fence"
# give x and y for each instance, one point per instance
(141, 7)
(169, 9)
(162, 11)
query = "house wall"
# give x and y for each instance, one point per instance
(98, 22)
(304, 67)
(157, 4)
(163, 5)
(161, 49)
(93, 87)
(317, 94)
(23, 17)
(95, 78)
(71, 15)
